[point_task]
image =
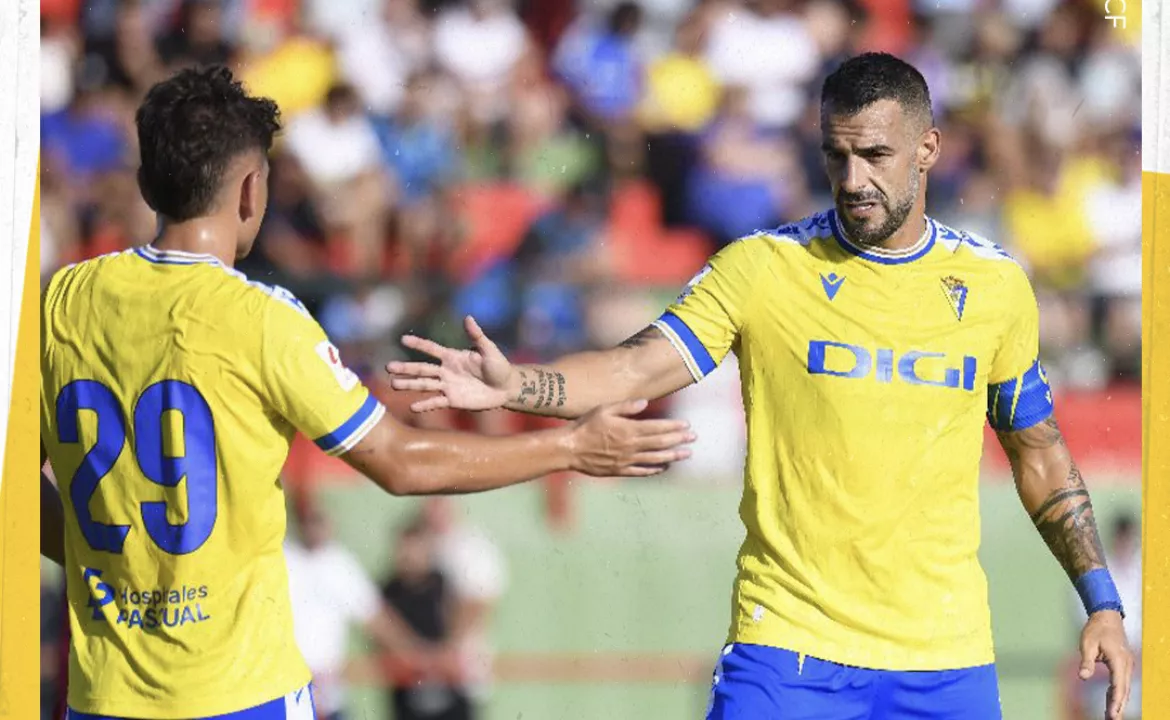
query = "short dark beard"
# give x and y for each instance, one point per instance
(896, 217)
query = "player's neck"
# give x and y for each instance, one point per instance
(201, 236)
(909, 235)
(908, 240)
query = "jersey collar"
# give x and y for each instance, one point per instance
(910, 254)
(174, 257)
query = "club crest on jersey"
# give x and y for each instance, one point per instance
(956, 292)
(345, 377)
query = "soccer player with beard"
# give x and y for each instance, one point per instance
(873, 344)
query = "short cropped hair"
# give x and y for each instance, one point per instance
(867, 78)
(190, 128)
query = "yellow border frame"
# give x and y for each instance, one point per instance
(1156, 445)
(20, 597)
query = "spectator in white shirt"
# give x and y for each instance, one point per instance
(397, 42)
(1114, 211)
(338, 148)
(743, 49)
(481, 44)
(474, 567)
(421, 595)
(331, 593)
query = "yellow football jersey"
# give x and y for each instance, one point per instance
(866, 378)
(171, 389)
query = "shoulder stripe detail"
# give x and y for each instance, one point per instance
(174, 257)
(275, 291)
(694, 354)
(980, 246)
(802, 232)
(351, 432)
(177, 257)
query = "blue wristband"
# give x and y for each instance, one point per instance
(1098, 592)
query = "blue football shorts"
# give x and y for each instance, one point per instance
(754, 682)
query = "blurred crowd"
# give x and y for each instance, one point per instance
(428, 619)
(558, 167)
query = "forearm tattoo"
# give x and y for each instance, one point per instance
(641, 338)
(542, 388)
(1065, 517)
(539, 388)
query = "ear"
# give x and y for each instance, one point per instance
(250, 196)
(929, 147)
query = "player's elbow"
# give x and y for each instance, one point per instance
(403, 482)
(384, 457)
(395, 477)
(1042, 467)
(406, 461)
(405, 476)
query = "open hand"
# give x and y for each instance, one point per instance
(474, 379)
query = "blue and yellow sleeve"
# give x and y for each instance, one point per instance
(1018, 393)
(705, 320)
(308, 384)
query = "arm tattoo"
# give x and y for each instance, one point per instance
(542, 386)
(527, 388)
(1064, 518)
(641, 338)
(1038, 437)
(1066, 523)
(1056, 498)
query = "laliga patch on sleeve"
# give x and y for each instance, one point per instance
(345, 377)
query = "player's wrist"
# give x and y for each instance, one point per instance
(1098, 592)
(512, 387)
(566, 444)
(513, 384)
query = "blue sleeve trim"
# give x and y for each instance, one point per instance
(694, 347)
(1098, 592)
(1020, 403)
(352, 430)
(282, 294)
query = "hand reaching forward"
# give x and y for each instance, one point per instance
(607, 442)
(475, 379)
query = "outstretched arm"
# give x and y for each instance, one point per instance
(1054, 494)
(306, 382)
(683, 345)
(410, 461)
(645, 366)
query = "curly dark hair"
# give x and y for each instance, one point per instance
(190, 127)
(865, 79)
